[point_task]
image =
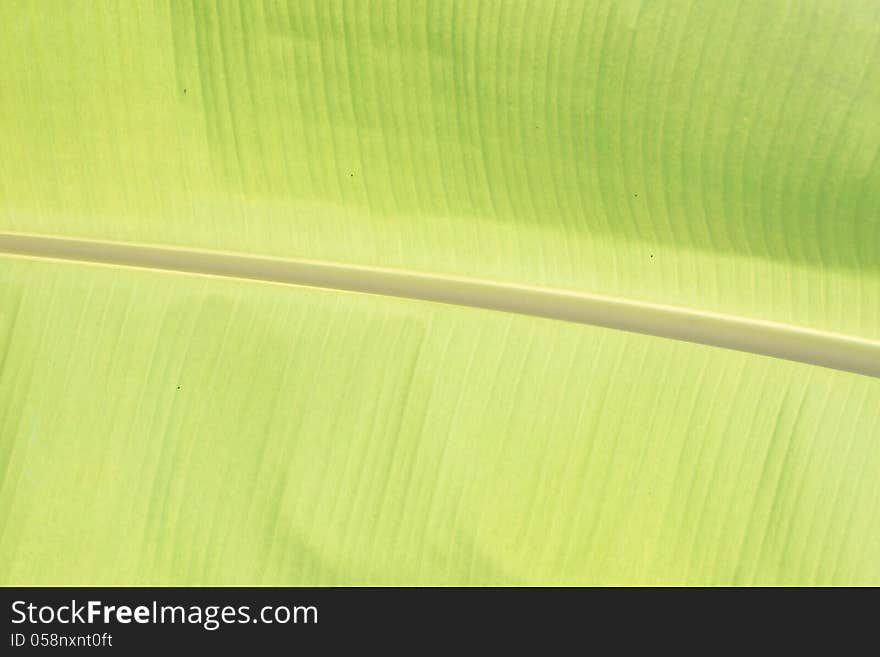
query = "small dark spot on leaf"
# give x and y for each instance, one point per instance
(652, 255)
(184, 90)
(178, 387)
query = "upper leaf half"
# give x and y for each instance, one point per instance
(715, 155)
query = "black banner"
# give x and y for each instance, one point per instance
(129, 620)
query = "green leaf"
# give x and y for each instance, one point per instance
(174, 427)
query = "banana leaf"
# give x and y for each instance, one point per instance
(179, 426)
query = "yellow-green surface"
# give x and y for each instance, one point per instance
(173, 429)
(721, 155)
(160, 428)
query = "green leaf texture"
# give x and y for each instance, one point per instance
(170, 428)
(176, 429)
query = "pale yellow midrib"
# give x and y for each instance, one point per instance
(828, 349)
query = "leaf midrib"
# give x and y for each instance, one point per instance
(797, 343)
